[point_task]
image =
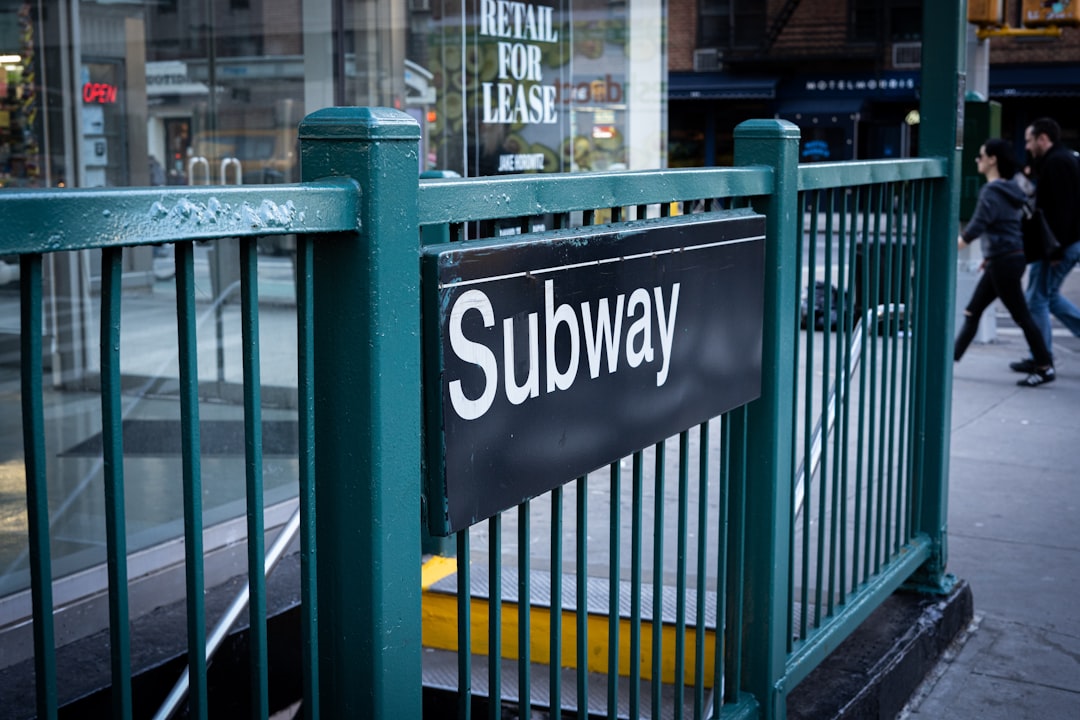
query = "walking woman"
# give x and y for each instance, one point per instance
(997, 222)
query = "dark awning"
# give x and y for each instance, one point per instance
(825, 109)
(1034, 81)
(719, 86)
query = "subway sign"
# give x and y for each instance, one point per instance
(553, 355)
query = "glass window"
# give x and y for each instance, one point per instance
(539, 87)
(872, 20)
(730, 23)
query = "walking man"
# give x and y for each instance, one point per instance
(1057, 192)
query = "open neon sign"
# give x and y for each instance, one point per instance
(100, 93)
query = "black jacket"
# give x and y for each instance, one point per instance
(1057, 192)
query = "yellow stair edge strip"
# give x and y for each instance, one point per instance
(440, 632)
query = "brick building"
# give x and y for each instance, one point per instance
(845, 71)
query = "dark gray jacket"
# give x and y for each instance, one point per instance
(997, 219)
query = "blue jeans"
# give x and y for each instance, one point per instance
(1044, 297)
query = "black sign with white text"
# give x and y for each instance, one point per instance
(550, 356)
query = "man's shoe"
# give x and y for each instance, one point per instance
(1026, 366)
(1039, 377)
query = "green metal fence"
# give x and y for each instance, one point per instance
(775, 583)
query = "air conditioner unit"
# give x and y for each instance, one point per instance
(708, 60)
(907, 55)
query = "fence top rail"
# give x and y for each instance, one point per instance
(453, 200)
(821, 176)
(52, 220)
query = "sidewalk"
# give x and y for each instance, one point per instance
(1014, 536)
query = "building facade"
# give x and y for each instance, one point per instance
(845, 71)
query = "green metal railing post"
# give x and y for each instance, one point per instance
(766, 425)
(367, 417)
(941, 110)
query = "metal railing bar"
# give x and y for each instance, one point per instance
(702, 559)
(582, 589)
(113, 471)
(847, 313)
(870, 560)
(614, 619)
(867, 479)
(464, 626)
(680, 571)
(220, 631)
(555, 662)
(445, 200)
(881, 282)
(305, 365)
(657, 575)
(193, 519)
(524, 611)
(733, 628)
(723, 479)
(905, 435)
(495, 617)
(836, 557)
(819, 574)
(818, 176)
(636, 530)
(253, 451)
(823, 495)
(37, 220)
(860, 426)
(881, 520)
(893, 337)
(919, 399)
(808, 411)
(796, 478)
(37, 500)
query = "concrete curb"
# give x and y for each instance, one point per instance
(875, 671)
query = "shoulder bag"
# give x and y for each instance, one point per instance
(1039, 241)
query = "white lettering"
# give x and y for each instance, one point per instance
(604, 337)
(487, 17)
(601, 322)
(642, 326)
(515, 393)
(473, 353)
(666, 327)
(552, 319)
(517, 20)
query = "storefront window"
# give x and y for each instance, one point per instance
(21, 159)
(520, 87)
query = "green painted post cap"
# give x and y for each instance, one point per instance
(766, 129)
(359, 123)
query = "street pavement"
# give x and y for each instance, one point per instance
(1014, 536)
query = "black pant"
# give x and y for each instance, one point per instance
(1001, 279)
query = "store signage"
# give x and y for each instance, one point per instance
(557, 354)
(518, 95)
(100, 93)
(898, 83)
